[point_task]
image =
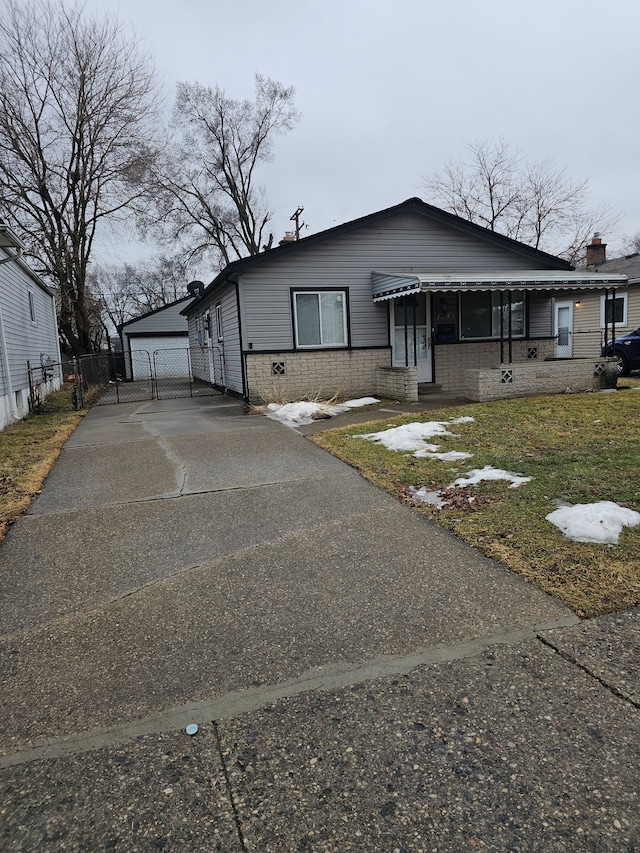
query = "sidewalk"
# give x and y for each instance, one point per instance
(361, 679)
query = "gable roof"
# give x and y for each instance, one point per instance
(411, 205)
(156, 311)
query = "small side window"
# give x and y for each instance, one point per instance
(613, 310)
(32, 307)
(219, 321)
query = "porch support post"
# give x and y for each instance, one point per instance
(501, 328)
(406, 333)
(607, 301)
(613, 315)
(415, 332)
(510, 328)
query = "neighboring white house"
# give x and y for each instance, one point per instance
(28, 332)
(157, 343)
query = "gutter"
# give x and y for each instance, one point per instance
(15, 257)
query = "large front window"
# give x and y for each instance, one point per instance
(320, 318)
(481, 315)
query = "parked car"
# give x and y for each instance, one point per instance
(627, 350)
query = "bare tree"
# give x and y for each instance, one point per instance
(125, 291)
(78, 113)
(534, 202)
(209, 198)
(631, 244)
(112, 286)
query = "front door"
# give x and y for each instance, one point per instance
(415, 310)
(563, 329)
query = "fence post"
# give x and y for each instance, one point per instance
(32, 406)
(77, 384)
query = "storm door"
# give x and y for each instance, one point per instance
(411, 334)
(563, 329)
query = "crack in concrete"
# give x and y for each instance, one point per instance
(322, 678)
(169, 496)
(620, 694)
(279, 536)
(181, 471)
(232, 800)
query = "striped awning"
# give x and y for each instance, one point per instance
(392, 285)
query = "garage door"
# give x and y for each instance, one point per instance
(162, 357)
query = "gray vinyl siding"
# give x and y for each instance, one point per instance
(231, 339)
(160, 322)
(404, 243)
(540, 316)
(26, 341)
(230, 343)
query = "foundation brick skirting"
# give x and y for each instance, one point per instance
(290, 376)
(452, 361)
(546, 377)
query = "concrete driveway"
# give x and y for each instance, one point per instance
(361, 679)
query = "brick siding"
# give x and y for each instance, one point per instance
(315, 375)
(452, 361)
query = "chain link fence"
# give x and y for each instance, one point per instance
(102, 379)
(44, 378)
(141, 375)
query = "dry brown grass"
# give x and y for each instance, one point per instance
(28, 451)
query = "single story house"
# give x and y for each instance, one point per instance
(591, 316)
(28, 333)
(389, 304)
(157, 342)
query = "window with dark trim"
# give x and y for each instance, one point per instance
(218, 312)
(320, 318)
(32, 307)
(481, 314)
(613, 310)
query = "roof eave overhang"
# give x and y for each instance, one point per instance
(9, 239)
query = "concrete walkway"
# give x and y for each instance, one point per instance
(361, 679)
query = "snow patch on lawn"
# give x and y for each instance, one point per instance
(490, 473)
(301, 413)
(411, 438)
(600, 522)
(424, 496)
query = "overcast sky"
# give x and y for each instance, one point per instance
(389, 90)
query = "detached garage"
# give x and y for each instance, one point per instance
(157, 343)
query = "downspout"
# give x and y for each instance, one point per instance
(243, 355)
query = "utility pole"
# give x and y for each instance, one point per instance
(296, 218)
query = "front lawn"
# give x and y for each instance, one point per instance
(577, 449)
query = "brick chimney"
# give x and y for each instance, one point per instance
(596, 251)
(289, 237)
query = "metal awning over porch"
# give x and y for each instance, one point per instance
(392, 285)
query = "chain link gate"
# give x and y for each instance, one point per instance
(159, 375)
